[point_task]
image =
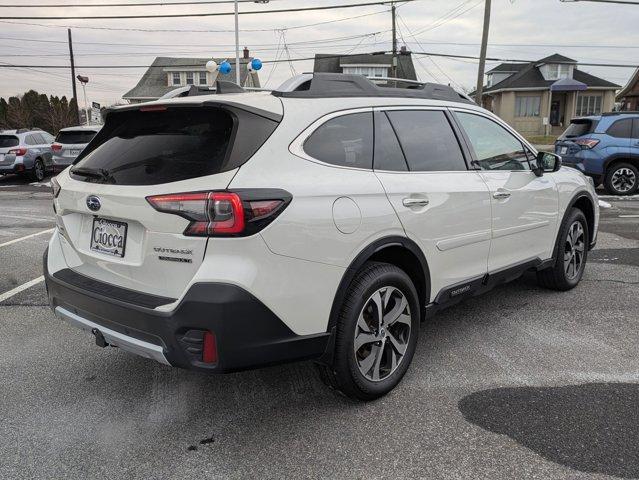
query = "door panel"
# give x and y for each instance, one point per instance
(452, 229)
(524, 222)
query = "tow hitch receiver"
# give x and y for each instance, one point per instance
(99, 338)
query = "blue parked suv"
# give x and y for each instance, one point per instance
(606, 148)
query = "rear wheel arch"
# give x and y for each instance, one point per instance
(611, 162)
(395, 250)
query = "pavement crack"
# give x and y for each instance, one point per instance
(609, 280)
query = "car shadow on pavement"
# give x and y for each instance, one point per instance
(591, 427)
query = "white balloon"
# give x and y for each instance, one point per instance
(211, 66)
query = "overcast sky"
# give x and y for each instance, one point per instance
(520, 29)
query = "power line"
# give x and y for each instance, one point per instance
(205, 14)
(143, 4)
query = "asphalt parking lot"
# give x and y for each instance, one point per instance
(519, 383)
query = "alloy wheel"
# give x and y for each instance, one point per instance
(39, 171)
(623, 179)
(382, 333)
(575, 248)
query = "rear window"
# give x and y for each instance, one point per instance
(153, 147)
(75, 136)
(7, 141)
(578, 128)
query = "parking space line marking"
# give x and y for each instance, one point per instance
(16, 240)
(628, 216)
(20, 288)
(24, 217)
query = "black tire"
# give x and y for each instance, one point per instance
(344, 374)
(560, 276)
(37, 173)
(621, 179)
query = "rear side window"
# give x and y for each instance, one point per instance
(31, 140)
(153, 147)
(75, 136)
(621, 128)
(346, 141)
(388, 152)
(578, 128)
(428, 140)
(7, 141)
(495, 147)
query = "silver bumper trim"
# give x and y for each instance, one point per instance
(117, 339)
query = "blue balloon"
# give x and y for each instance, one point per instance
(224, 68)
(256, 64)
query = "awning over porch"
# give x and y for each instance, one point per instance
(568, 85)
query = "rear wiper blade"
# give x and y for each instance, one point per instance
(90, 172)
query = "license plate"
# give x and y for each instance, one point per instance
(563, 150)
(108, 236)
(74, 152)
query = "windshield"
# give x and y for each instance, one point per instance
(7, 141)
(578, 128)
(75, 136)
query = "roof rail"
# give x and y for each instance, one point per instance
(337, 85)
(220, 87)
(623, 112)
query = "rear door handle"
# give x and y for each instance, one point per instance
(501, 194)
(415, 202)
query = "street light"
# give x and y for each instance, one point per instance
(237, 39)
(83, 81)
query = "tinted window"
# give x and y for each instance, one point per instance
(75, 136)
(38, 139)
(388, 153)
(428, 140)
(495, 147)
(7, 141)
(346, 141)
(146, 148)
(577, 128)
(621, 128)
(635, 129)
(30, 140)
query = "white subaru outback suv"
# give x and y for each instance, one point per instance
(323, 221)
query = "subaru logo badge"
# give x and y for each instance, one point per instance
(93, 203)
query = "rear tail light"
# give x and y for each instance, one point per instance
(223, 213)
(18, 152)
(587, 143)
(56, 147)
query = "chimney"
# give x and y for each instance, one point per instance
(246, 53)
(403, 50)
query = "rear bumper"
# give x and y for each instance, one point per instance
(248, 334)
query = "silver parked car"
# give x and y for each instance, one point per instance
(69, 143)
(26, 152)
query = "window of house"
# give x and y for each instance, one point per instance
(367, 71)
(555, 71)
(495, 148)
(346, 141)
(588, 105)
(189, 78)
(527, 106)
(202, 78)
(428, 140)
(176, 78)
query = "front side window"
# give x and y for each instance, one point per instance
(588, 105)
(621, 128)
(428, 140)
(495, 148)
(189, 78)
(527, 106)
(176, 78)
(346, 141)
(202, 78)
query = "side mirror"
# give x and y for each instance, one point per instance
(546, 162)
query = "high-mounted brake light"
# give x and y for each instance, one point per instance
(153, 108)
(587, 143)
(18, 152)
(56, 147)
(222, 213)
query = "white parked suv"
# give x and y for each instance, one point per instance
(322, 221)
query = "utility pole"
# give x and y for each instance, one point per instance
(237, 45)
(394, 67)
(482, 55)
(75, 95)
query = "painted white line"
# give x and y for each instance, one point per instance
(4, 296)
(603, 204)
(628, 216)
(16, 240)
(24, 217)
